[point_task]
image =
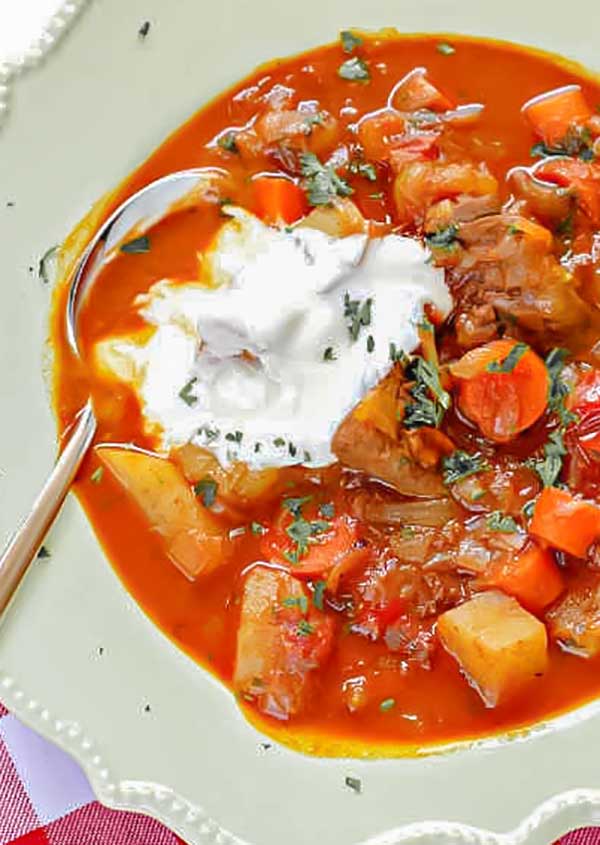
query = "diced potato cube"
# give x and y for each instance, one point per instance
(499, 646)
(282, 639)
(194, 539)
(338, 220)
(575, 621)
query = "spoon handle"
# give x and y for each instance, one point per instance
(25, 543)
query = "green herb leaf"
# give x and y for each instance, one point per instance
(234, 436)
(300, 602)
(359, 314)
(354, 70)
(370, 343)
(257, 529)
(304, 628)
(295, 504)
(558, 390)
(445, 49)
(327, 510)
(186, 392)
(460, 465)
(322, 183)
(508, 364)
(387, 704)
(44, 264)
(329, 354)
(206, 489)
(227, 142)
(319, 594)
(279, 441)
(350, 41)
(43, 553)
(504, 524)
(444, 238)
(549, 467)
(364, 169)
(96, 476)
(430, 400)
(355, 784)
(210, 434)
(137, 246)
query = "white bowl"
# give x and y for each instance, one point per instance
(79, 661)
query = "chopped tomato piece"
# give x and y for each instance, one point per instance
(503, 388)
(552, 114)
(582, 178)
(380, 132)
(278, 200)
(564, 522)
(532, 577)
(416, 92)
(328, 544)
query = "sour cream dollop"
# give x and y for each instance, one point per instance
(284, 334)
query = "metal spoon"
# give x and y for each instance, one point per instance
(137, 214)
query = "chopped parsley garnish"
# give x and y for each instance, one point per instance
(528, 509)
(322, 184)
(329, 354)
(387, 704)
(502, 523)
(359, 314)
(257, 529)
(313, 119)
(370, 343)
(397, 356)
(444, 238)
(549, 467)
(210, 434)
(234, 436)
(144, 30)
(350, 41)
(302, 531)
(186, 392)
(206, 489)
(307, 456)
(257, 447)
(507, 365)
(96, 476)
(378, 195)
(327, 510)
(355, 784)
(514, 230)
(354, 70)
(43, 553)
(565, 227)
(43, 264)
(227, 142)
(305, 629)
(558, 390)
(279, 442)
(460, 465)
(292, 450)
(301, 602)
(364, 169)
(445, 49)
(137, 246)
(577, 143)
(430, 400)
(294, 504)
(319, 594)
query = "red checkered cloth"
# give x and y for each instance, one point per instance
(45, 799)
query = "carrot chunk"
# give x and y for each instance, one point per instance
(503, 388)
(564, 522)
(278, 200)
(552, 114)
(532, 577)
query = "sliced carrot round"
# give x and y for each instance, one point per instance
(503, 388)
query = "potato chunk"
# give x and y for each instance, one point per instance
(282, 640)
(194, 540)
(575, 621)
(499, 646)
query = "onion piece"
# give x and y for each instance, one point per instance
(431, 513)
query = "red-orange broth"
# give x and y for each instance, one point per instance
(430, 700)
